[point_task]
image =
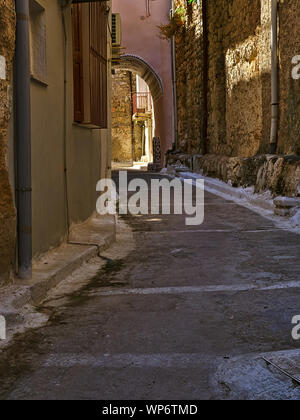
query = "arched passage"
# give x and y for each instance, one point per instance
(136, 64)
(141, 41)
(132, 134)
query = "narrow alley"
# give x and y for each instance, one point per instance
(188, 314)
(149, 202)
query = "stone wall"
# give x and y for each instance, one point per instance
(139, 130)
(236, 114)
(278, 174)
(122, 139)
(239, 94)
(289, 44)
(238, 77)
(7, 209)
(189, 79)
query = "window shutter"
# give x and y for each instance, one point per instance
(98, 64)
(77, 63)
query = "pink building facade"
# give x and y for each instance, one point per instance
(144, 47)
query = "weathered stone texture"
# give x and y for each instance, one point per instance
(235, 123)
(239, 93)
(139, 133)
(189, 79)
(7, 209)
(278, 174)
(264, 32)
(289, 44)
(122, 117)
(238, 77)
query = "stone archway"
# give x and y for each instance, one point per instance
(126, 146)
(139, 66)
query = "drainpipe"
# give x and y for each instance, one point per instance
(64, 5)
(274, 79)
(23, 141)
(148, 12)
(132, 122)
(174, 84)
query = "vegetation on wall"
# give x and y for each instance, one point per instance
(176, 21)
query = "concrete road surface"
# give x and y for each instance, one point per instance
(188, 314)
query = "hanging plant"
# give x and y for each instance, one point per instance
(176, 22)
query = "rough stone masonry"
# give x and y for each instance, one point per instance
(239, 93)
(189, 49)
(239, 65)
(122, 116)
(7, 209)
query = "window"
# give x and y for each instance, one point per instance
(90, 64)
(38, 61)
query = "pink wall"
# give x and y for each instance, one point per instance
(140, 36)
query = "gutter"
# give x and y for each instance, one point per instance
(23, 141)
(274, 80)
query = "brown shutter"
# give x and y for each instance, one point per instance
(98, 64)
(77, 63)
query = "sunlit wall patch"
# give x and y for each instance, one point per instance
(2, 68)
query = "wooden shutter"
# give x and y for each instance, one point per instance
(78, 63)
(98, 64)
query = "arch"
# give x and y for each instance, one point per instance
(144, 70)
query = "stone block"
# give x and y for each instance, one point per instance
(286, 202)
(282, 212)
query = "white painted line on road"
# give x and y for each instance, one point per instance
(171, 232)
(159, 360)
(198, 289)
(186, 231)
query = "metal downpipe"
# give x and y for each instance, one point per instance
(174, 84)
(274, 79)
(23, 141)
